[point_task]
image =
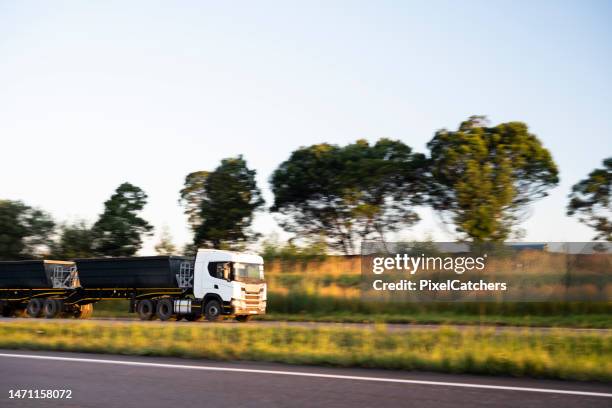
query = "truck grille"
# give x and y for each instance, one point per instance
(252, 299)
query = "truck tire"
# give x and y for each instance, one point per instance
(212, 310)
(52, 308)
(35, 307)
(243, 318)
(165, 309)
(146, 309)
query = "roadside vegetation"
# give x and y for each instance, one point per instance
(591, 321)
(583, 316)
(558, 354)
(330, 289)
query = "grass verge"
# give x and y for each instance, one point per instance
(119, 308)
(595, 321)
(557, 354)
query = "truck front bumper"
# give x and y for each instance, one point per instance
(246, 307)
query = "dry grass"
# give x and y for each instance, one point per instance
(557, 354)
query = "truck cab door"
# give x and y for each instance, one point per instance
(218, 280)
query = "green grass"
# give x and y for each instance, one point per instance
(297, 302)
(596, 321)
(521, 315)
(556, 354)
(112, 308)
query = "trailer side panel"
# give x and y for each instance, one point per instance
(25, 274)
(137, 272)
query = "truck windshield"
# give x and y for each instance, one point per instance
(246, 272)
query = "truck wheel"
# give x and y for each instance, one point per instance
(212, 310)
(243, 318)
(34, 308)
(52, 308)
(164, 309)
(146, 309)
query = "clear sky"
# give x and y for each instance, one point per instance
(93, 94)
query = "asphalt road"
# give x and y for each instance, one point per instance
(390, 326)
(120, 381)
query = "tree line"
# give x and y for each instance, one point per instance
(479, 178)
(27, 232)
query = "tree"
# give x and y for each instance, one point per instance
(192, 195)
(24, 231)
(590, 199)
(119, 230)
(165, 245)
(358, 191)
(75, 241)
(484, 177)
(220, 204)
(190, 250)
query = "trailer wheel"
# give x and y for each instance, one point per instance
(164, 309)
(243, 318)
(146, 309)
(34, 308)
(212, 310)
(52, 308)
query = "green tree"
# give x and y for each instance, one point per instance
(165, 245)
(591, 200)
(75, 241)
(359, 191)
(220, 204)
(192, 195)
(189, 249)
(484, 177)
(24, 231)
(119, 230)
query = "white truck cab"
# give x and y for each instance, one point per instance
(235, 279)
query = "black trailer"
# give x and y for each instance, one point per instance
(50, 288)
(37, 287)
(146, 281)
(134, 272)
